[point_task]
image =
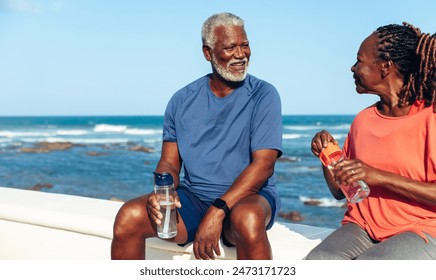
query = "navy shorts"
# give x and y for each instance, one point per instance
(193, 211)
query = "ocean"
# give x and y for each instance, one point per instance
(113, 157)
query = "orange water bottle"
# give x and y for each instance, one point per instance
(356, 191)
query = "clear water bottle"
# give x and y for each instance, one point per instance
(164, 190)
(358, 190)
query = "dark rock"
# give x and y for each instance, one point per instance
(312, 202)
(38, 187)
(96, 154)
(45, 147)
(294, 216)
(139, 148)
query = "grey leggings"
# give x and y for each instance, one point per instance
(351, 242)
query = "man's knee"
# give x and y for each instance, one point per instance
(248, 223)
(131, 219)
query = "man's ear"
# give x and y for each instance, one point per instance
(386, 67)
(207, 52)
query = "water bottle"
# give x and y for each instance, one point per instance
(330, 156)
(164, 190)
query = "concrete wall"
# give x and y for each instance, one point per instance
(37, 225)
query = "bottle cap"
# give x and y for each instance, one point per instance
(330, 153)
(162, 179)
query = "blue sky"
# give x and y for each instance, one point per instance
(107, 57)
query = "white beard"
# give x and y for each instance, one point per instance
(226, 74)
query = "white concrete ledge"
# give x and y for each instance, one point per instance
(38, 225)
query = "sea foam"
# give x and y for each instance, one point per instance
(136, 131)
(109, 128)
(71, 132)
(322, 202)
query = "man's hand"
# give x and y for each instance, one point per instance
(206, 242)
(153, 207)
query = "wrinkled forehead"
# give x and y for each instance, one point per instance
(230, 31)
(230, 34)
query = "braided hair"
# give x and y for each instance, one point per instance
(414, 53)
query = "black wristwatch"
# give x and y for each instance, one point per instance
(221, 204)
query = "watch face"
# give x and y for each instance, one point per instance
(219, 203)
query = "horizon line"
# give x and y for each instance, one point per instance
(151, 115)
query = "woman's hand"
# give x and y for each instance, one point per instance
(351, 170)
(320, 141)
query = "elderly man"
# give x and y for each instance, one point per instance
(225, 131)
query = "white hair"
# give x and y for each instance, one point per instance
(222, 19)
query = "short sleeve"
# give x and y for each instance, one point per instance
(266, 130)
(169, 129)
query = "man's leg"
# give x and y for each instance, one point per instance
(246, 228)
(132, 226)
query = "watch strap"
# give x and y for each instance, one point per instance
(221, 204)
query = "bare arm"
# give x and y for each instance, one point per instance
(253, 177)
(319, 142)
(351, 170)
(169, 162)
(248, 182)
(332, 184)
(422, 192)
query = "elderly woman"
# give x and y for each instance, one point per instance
(392, 146)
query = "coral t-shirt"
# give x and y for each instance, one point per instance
(401, 145)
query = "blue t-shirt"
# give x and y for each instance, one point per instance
(216, 136)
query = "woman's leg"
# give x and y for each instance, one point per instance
(345, 243)
(403, 246)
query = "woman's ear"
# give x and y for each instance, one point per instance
(386, 67)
